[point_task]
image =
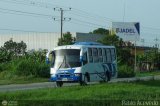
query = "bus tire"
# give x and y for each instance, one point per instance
(59, 83)
(108, 76)
(85, 80)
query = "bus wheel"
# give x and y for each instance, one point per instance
(86, 78)
(108, 76)
(59, 83)
(85, 81)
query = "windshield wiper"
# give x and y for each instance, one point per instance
(65, 63)
(61, 64)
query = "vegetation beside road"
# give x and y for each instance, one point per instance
(147, 73)
(142, 90)
(18, 66)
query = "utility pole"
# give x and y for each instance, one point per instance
(156, 51)
(61, 22)
(135, 58)
(142, 40)
(156, 43)
(62, 18)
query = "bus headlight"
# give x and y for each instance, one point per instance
(53, 75)
(77, 74)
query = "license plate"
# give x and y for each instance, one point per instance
(64, 79)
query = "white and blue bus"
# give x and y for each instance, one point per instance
(82, 62)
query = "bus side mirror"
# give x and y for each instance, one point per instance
(84, 58)
(50, 56)
(47, 60)
(81, 58)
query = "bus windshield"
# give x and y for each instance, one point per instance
(67, 58)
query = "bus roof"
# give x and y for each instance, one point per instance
(87, 43)
(83, 45)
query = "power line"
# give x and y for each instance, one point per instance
(88, 17)
(83, 24)
(87, 22)
(24, 12)
(19, 30)
(93, 15)
(26, 2)
(150, 28)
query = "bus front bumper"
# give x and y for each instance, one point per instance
(66, 79)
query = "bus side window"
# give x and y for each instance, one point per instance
(95, 55)
(85, 61)
(100, 55)
(113, 54)
(104, 55)
(90, 55)
(108, 54)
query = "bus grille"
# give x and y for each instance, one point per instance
(64, 75)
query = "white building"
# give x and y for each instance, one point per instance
(36, 40)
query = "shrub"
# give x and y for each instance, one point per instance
(25, 67)
(125, 71)
(5, 66)
(28, 67)
(44, 70)
(1, 68)
(31, 64)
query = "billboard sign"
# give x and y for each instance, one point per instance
(128, 31)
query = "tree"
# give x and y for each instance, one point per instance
(108, 39)
(67, 39)
(4, 55)
(12, 49)
(111, 40)
(101, 31)
(15, 48)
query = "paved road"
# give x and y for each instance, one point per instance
(15, 87)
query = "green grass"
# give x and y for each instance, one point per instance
(10, 78)
(149, 90)
(22, 80)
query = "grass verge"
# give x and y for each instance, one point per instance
(7, 77)
(22, 80)
(148, 73)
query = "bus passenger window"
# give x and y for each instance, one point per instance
(90, 55)
(95, 55)
(100, 55)
(85, 61)
(108, 53)
(104, 52)
(100, 52)
(104, 55)
(113, 54)
(90, 51)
